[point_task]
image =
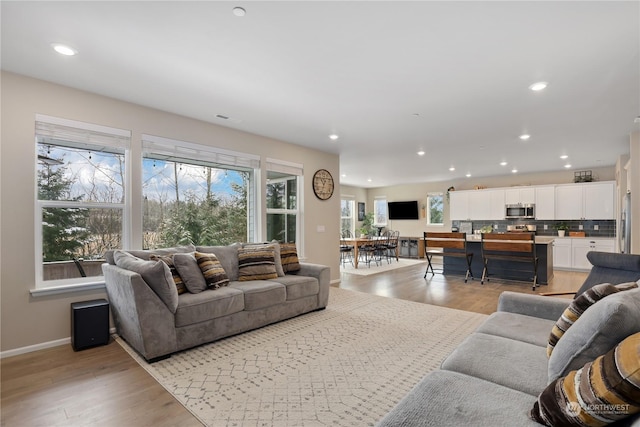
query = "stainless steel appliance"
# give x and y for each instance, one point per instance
(520, 211)
(625, 225)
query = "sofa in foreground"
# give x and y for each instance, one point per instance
(171, 299)
(501, 375)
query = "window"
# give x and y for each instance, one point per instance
(380, 212)
(283, 201)
(347, 216)
(195, 194)
(81, 199)
(435, 211)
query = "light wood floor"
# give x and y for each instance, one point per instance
(104, 386)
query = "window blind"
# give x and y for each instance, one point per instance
(72, 133)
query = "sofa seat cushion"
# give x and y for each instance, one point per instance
(208, 304)
(298, 286)
(445, 398)
(532, 330)
(260, 293)
(510, 363)
(598, 330)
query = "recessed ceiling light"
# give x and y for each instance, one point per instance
(64, 49)
(514, 170)
(333, 137)
(239, 11)
(452, 169)
(344, 175)
(468, 175)
(503, 163)
(525, 136)
(567, 166)
(420, 153)
(538, 86)
(369, 180)
(564, 156)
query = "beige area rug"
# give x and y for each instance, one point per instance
(347, 365)
(364, 270)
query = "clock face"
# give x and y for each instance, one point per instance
(323, 184)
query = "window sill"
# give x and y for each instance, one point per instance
(64, 289)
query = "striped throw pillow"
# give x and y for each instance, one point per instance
(214, 274)
(601, 392)
(168, 259)
(256, 262)
(289, 257)
(578, 307)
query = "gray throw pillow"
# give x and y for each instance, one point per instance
(191, 274)
(598, 330)
(155, 273)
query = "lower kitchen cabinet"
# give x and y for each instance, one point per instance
(571, 253)
(411, 247)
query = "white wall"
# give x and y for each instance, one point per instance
(634, 187)
(31, 321)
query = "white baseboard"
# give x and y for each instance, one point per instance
(41, 346)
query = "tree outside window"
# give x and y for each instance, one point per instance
(282, 207)
(347, 216)
(380, 212)
(435, 209)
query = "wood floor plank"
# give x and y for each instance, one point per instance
(104, 386)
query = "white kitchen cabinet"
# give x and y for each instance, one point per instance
(545, 202)
(523, 195)
(459, 205)
(479, 205)
(496, 201)
(580, 247)
(562, 253)
(592, 200)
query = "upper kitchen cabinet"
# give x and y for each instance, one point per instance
(459, 205)
(478, 205)
(592, 200)
(545, 202)
(522, 195)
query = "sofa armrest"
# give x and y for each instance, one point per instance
(532, 305)
(140, 316)
(323, 274)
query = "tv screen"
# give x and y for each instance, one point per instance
(403, 210)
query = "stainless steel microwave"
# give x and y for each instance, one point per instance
(520, 211)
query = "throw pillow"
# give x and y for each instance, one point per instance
(190, 272)
(579, 305)
(289, 257)
(277, 258)
(600, 393)
(156, 274)
(256, 262)
(168, 259)
(214, 274)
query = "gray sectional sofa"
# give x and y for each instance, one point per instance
(156, 321)
(495, 376)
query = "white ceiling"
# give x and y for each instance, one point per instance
(391, 78)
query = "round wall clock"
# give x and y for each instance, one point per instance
(323, 184)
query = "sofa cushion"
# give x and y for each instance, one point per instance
(168, 259)
(261, 293)
(256, 262)
(532, 330)
(299, 286)
(146, 254)
(510, 363)
(579, 305)
(599, 393)
(445, 398)
(155, 273)
(598, 330)
(289, 257)
(228, 257)
(190, 272)
(214, 275)
(208, 304)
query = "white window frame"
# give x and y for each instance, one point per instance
(87, 134)
(382, 202)
(429, 196)
(352, 223)
(292, 169)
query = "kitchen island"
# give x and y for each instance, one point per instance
(502, 269)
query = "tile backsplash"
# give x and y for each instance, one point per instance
(605, 228)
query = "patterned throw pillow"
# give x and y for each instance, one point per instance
(168, 259)
(600, 393)
(212, 270)
(256, 262)
(578, 307)
(289, 257)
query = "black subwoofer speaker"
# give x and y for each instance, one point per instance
(89, 324)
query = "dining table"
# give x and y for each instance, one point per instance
(356, 242)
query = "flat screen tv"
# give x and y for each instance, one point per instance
(403, 210)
